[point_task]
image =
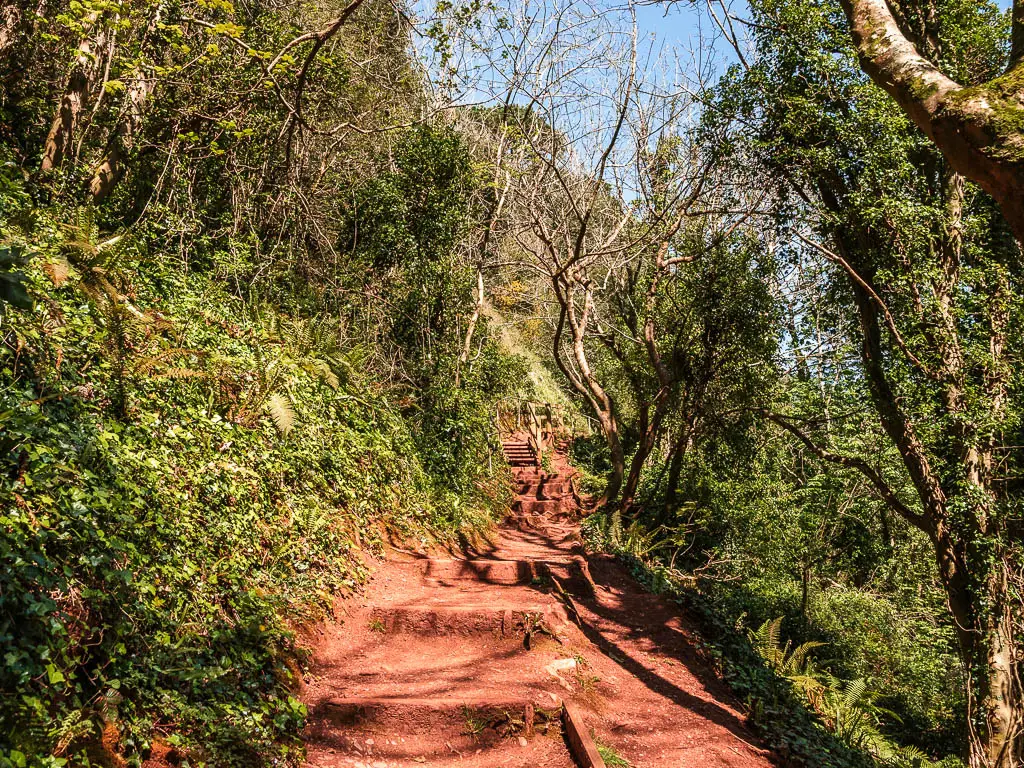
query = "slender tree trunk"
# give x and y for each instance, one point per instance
(617, 457)
(112, 167)
(496, 209)
(636, 466)
(60, 140)
(583, 380)
(883, 519)
(675, 471)
(471, 327)
(805, 592)
(648, 439)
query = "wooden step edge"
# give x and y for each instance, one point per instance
(496, 571)
(581, 742)
(501, 562)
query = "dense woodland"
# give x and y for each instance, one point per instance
(270, 270)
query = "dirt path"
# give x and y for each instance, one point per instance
(467, 661)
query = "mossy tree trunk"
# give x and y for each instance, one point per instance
(978, 128)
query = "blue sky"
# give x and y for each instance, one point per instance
(680, 23)
(677, 23)
(681, 26)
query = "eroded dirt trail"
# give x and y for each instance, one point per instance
(467, 661)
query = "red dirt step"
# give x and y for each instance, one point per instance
(468, 620)
(425, 715)
(439, 732)
(483, 750)
(505, 572)
(543, 506)
(371, 665)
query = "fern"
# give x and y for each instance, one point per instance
(150, 364)
(282, 413)
(848, 708)
(57, 270)
(292, 348)
(853, 692)
(766, 638)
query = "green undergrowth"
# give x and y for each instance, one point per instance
(186, 478)
(588, 455)
(774, 700)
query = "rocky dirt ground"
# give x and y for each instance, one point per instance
(466, 660)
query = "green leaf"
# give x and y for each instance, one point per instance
(54, 675)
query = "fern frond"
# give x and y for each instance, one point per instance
(774, 635)
(149, 362)
(110, 244)
(854, 691)
(282, 413)
(330, 377)
(766, 638)
(798, 658)
(80, 247)
(58, 270)
(183, 373)
(911, 756)
(809, 684)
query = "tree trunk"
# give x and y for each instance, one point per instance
(805, 591)
(675, 471)
(60, 140)
(583, 380)
(10, 20)
(636, 466)
(988, 650)
(648, 439)
(617, 457)
(471, 327)
(977, 129)
(1004, 697)
(111, 168)
(975, 589)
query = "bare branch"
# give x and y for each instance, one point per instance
(890, 321)
(853, 462)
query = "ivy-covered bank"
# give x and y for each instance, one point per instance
(793, 699)
(184, 479)
(232, 364)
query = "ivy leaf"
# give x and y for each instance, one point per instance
(12, 281)
(54, 675)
